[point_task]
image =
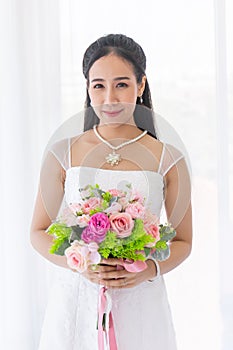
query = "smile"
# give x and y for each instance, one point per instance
(112, 113)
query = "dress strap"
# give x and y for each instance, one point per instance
(69, 153)
(161, 158)
(61, 151)
(170, 156)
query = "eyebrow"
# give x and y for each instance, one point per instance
(115, 79)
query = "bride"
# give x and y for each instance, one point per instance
(118, 145)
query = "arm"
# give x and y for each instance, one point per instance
(48, 201)
(179, 214)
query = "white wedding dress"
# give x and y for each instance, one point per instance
(141, 315)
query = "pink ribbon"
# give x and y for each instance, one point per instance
(133, 266)
(106, 333)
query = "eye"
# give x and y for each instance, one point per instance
(122, 85)
(97, 86)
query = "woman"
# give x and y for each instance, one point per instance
(119, 113)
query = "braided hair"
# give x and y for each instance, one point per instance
(126, 48)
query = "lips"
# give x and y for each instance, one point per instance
(112, 113)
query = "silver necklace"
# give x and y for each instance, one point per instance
(114, 158)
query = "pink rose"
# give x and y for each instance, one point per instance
(68, 217)
(136, 196)
(91, 203)
(75, 207)
(82, 220)
(153, 230)
(77, 256)
(122, 224)
(80, 255)
(150, 218)
(136, 210)
(97, 228)
(116, 193)
(123, 201)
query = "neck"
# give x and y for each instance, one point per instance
(114, 131)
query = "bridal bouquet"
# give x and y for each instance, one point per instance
(109, 224)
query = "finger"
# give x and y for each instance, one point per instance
(115, 283)
(92, 277)
(93, 268)
(113, 261)
(119, 283)
(117, 274)
(100, 268)
(108, 268)
(127, 284)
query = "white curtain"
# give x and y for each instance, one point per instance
(189, 50)
(30, 83)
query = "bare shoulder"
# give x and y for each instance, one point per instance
(154, 145)
(85, 137)
(81, 146)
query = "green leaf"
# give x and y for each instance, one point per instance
(166, 232)
(107, 196)
(59, 247)
(59, 230)
(61, 234)
(124, 248)
(161, 255)
(137, 232)
(94, 211)
(168, 236)
(105, 204)
(161, 245)
(147, 251)
(110, 241)
(113, 199)
(76, 233)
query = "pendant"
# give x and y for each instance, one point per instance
(113, 158)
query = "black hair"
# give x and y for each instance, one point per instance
(128, 49)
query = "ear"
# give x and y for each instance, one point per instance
(141, 86)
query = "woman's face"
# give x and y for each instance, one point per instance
(113, 89)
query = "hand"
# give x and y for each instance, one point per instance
(94, 272)
(112, 274)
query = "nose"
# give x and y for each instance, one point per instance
(110, 96)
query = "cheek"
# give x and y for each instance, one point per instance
(96, 98)
(128, 95)
(131, 95)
